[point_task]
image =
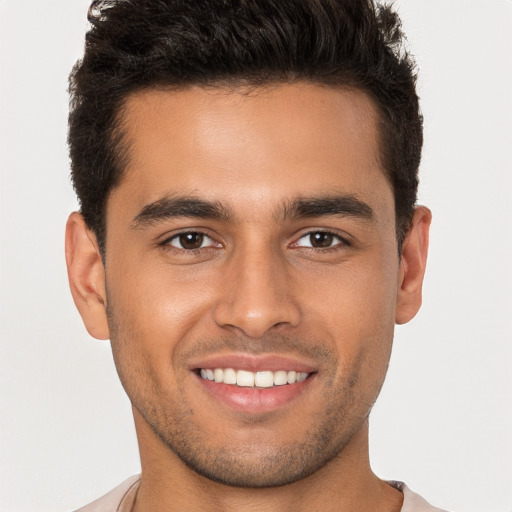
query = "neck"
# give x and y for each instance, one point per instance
(346, 483)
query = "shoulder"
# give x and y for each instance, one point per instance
(119, 499)
(414, 502)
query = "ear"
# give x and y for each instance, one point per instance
(412, 266)
(86, 276)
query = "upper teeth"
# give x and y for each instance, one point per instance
(265, 379)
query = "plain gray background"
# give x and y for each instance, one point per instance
(443, 422)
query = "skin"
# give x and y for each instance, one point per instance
(256, 288)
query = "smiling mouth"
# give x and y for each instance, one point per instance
(247, 379)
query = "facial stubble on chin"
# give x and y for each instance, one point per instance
(255, 465)
(264, 462)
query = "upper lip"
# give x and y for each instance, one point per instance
(253, 363)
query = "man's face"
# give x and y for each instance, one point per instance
(252, 237)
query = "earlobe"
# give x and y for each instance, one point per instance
(86, 276)
(412, 266)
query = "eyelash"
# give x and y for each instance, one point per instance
(166, 244)
(343, 242)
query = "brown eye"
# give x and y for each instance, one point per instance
(190, 241)
(320, 240)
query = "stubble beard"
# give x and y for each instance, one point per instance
(261, 463)
(255, 465)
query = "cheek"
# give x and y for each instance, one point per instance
(355, 311)
(155, 307)
(359, 297)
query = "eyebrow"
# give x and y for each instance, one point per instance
(173, 207)
(342, 205)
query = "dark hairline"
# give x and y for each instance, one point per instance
(181, 45)
(121, 143)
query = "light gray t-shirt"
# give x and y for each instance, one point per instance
(122, 499)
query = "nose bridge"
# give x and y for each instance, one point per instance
(257, 295)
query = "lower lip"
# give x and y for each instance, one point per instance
(255, 400)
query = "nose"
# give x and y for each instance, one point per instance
(257, 295)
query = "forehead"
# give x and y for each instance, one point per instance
(246, 146)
